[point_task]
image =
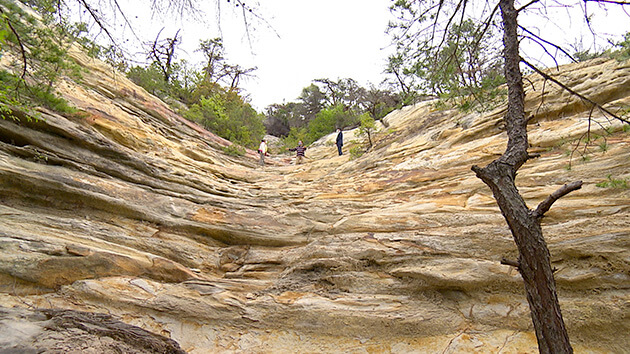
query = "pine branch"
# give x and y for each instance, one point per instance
(20, 43)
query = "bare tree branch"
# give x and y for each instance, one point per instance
(549, 43)
(461, 4)
(125, 18)
(510, 262)
(487, 24)
(571, 91)
(97, 19)
(527, 5)
(546, 204)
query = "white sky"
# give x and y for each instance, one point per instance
(309, 40)
(317, 39)
(321, 39)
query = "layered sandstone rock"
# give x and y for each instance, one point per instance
(127, 209)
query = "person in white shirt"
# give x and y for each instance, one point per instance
(262, 151)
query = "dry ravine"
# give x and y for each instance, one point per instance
(126, 214)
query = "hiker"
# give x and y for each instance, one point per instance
(339, 141)
(262, 151)
(299, 152)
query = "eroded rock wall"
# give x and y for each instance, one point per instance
(125, 208)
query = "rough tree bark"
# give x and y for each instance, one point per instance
(534, 262)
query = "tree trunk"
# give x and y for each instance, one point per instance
(534, 259)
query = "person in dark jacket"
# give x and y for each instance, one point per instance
(299, 152)
(339, 141)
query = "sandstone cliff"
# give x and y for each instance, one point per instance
(127, 209)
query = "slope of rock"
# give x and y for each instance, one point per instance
(125, 208)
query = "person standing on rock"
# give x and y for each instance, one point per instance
(262, 151)
(339, 142)
(299, 152)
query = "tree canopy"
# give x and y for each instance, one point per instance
(326, 105)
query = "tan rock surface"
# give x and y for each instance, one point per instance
(128, 209)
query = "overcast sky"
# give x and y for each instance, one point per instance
(315, 39)
(299, 41)
(321, 39)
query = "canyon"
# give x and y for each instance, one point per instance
(127, 211)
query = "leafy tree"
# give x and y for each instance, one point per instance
(151, 78)
(185, 80)
(367, 127)
(313, 100)
(216, 70)
(346, 92)
(286, 116)
(316, 111)
(227, 115)
(404, 81)
(464, 63)
(623, 48)
(380, 102)
(278, 118)
(328, 120)
(295, 135)
(41, 46)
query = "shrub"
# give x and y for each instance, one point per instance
(328, 120)
(356, 152)
(234, 150)
(295, 135)
(225, 114)
(621, 183)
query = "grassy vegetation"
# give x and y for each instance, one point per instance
(615, 183)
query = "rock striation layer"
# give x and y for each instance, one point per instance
(127, 209)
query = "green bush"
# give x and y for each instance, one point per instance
(328, 120)
(234, 150)
(23, 99)
(295, 135)
(225, 114)
(356, 152)
(150, 78)
(616, 183)
(623, 49)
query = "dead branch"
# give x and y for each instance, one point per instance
(487, 24)
(571, 91)
(547, 203)
(125, 19)
(97, 19)
(510, 262)
(533, 156)
(461, 4)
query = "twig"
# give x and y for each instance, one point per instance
(96, 19)
(549, 43)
